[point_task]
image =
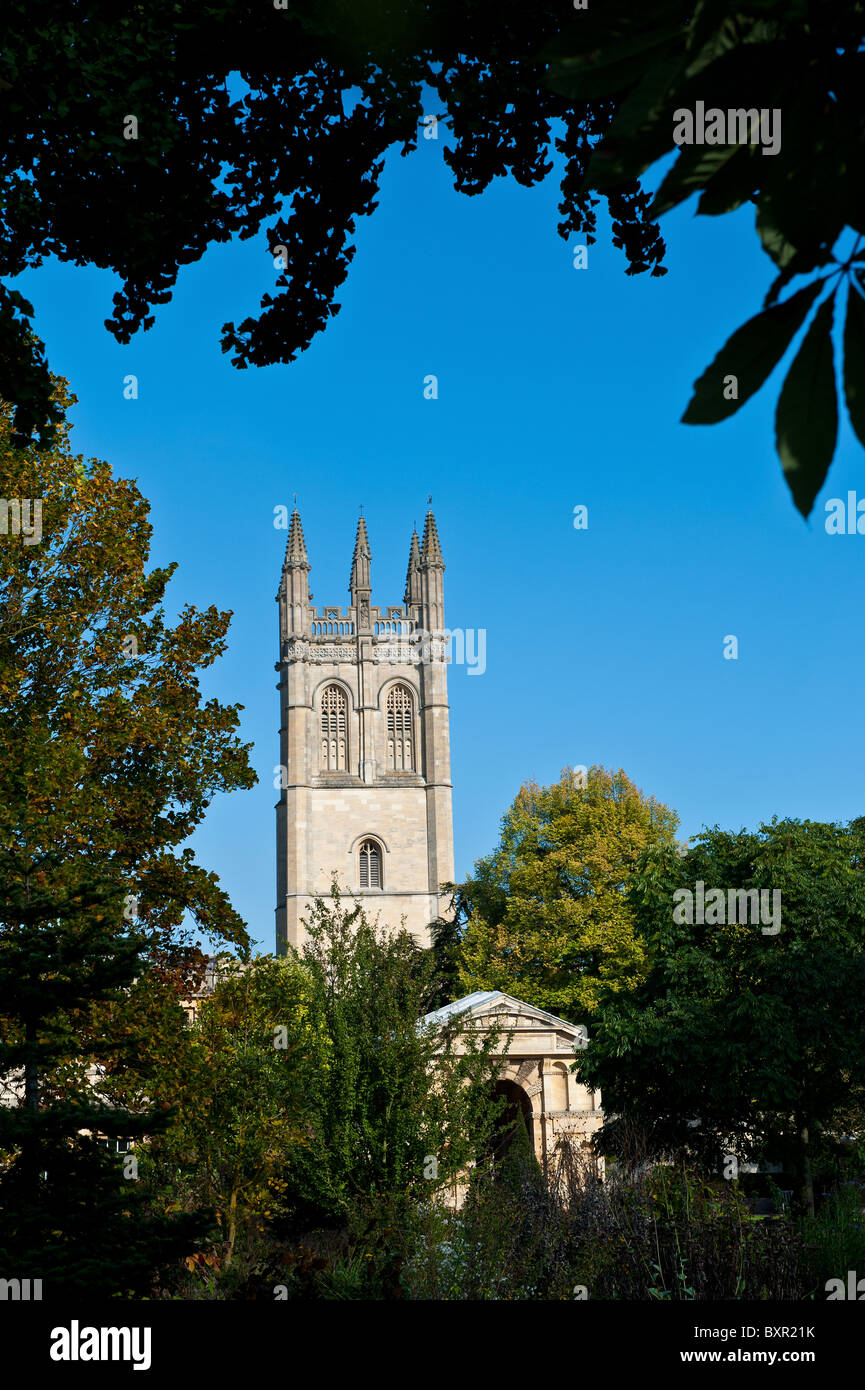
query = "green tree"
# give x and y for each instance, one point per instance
(395, 1111)
(548, 917)
(741, 1035)
(71, 1213)
(241, 1106)
(110, 757)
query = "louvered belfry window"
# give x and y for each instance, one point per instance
(400, 730)
(370, 865)
(334, 739)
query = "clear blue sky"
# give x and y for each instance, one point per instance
(556, 387)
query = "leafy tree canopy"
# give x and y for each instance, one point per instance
(71, 1212)
(741, 1035)
(111, 756)
(395, 1110)
(240, 1105)
(253, 115)
(548, 914)
(133, 141)
(790, 75)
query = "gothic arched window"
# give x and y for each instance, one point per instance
(370, 865)
(334, 736)
(400, 730)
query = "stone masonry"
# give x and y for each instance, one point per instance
(364, 742)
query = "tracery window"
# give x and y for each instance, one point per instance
(370, 865)
(334, 737)
(400, 730)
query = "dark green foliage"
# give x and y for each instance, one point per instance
(80, 1226)
(394, 1110)
(69, 1214)
(835, 1240)
(758, 1037)
(259, 121)
(110, 758)
(357, 1118)
(806, 423)
(750, 355)
(803, 60)
(444, 953)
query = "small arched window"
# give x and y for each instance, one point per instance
(400, 730)
(370, 865)
(334, 737)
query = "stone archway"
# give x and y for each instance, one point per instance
(518, 1105)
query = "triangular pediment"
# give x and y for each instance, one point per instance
(504, 1010)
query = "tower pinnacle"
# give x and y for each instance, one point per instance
(431, 551)
(412, 593)
(360, 560)
(295, 548)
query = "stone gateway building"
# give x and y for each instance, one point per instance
(535, 1076)
(364, 742)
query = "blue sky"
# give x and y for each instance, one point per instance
(557, 387)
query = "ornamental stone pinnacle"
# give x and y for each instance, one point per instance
(412, 593)
(360, 564)
(295, 547)
(431, 551)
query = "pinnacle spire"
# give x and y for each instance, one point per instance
(431, 551)
(412, 579)
(360, 562)
(295, 548)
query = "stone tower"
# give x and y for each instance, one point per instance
(364, 742)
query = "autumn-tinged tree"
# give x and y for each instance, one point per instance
(547, 913)
(110, 755)
(109, 760)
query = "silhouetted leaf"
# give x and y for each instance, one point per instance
(806, 421)
(730, 187)
(854, 360)
(749, 355)
(638, 129)
(775, 244)
(585, 76)
(693, 169)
